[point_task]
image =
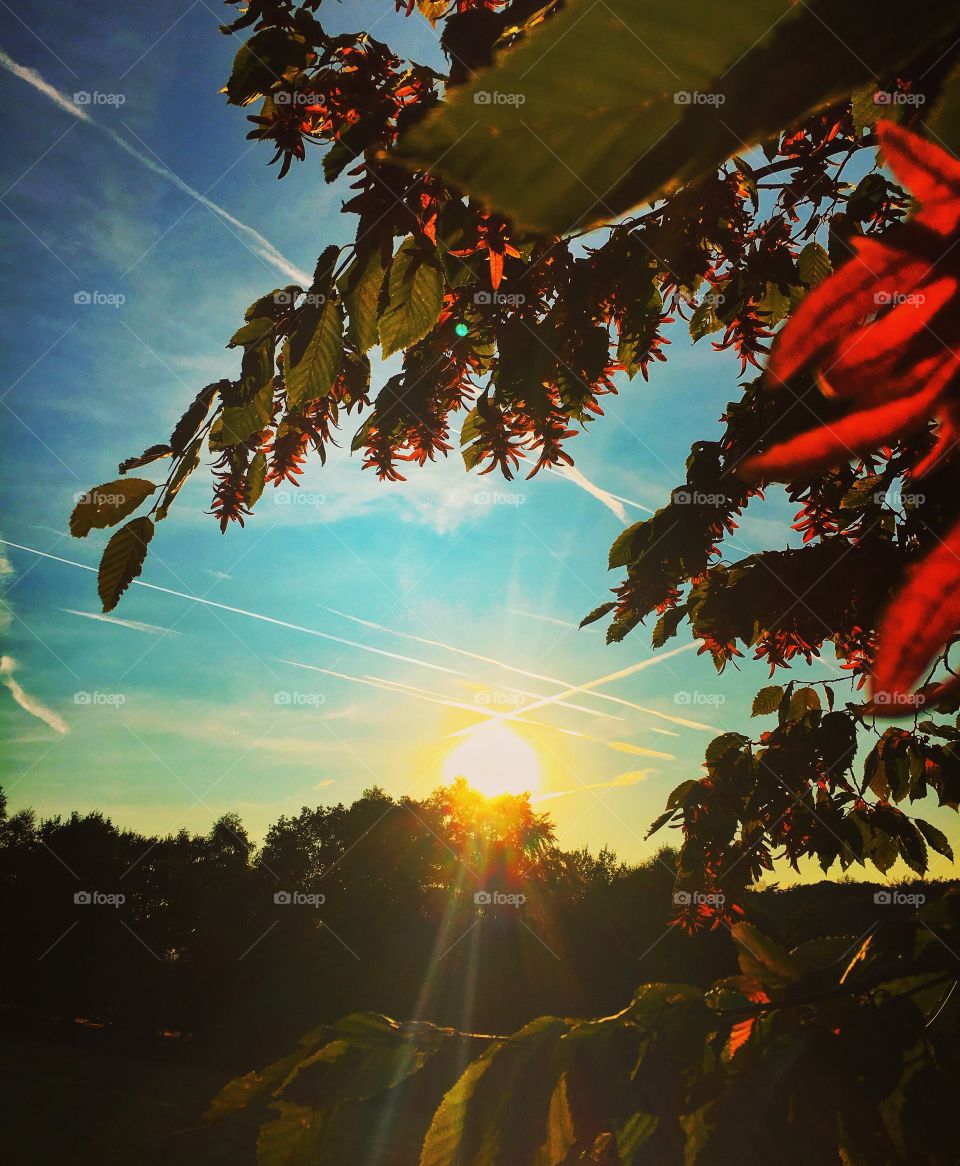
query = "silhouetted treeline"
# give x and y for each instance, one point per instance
(452, 909)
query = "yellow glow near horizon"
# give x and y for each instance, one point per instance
(494, 761)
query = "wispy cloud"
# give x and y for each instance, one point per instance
(622, 782)
(559, 698)
(487, 716)
(614, 502)
(563, 623)
(576, 690)
(133, 624)
(28, 703)
(258, 243)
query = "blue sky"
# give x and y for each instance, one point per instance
(194, 710)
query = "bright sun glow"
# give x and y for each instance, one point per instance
(494, 761)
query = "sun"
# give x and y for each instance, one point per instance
(494, 761)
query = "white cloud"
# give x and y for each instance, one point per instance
(132, 624)
(258, 243)
(27, 702)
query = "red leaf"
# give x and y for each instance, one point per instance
(921, 618)
(841, 440)
(739, 1035)
(868, 364)
(928, 171)
(496, 267)
(841, 303)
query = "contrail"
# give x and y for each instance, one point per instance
(609, 500)
(285, 624)
(683, 721)
(132, 624)
(260, 245)
(563, 623)
(281, 623)
(449, 702)
(559, 698)
(580, 708)
(650, 662)
(29, 703)
(622, 782)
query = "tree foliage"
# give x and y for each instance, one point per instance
(502, 248)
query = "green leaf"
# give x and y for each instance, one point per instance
(153, 454)
(864, 109)
(883, 850)
(943, 122)
(123, 560)
(704, 321)
(415, 296)
(189, 461)
(659, 822)
(863, 493)
(622, 551)
(775, 306)
(256, 373)
(256, 478)
(194, 417)
(255, 330)
(370, 1055)
(679, 796)
(262, 61)
(762, 959)
(561, 1135)
(240, 422)
(312, 354)
(666, 626)
(633, 1136)
(804, 700)
(557, 143)
(441, 1145)
(294, 1137)
(935, 839)
(598, 613)
(360, 288)
(813, 264)
(723, 745)
(912, 847)
(433, 9)
(767, 701)
(107, 504)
